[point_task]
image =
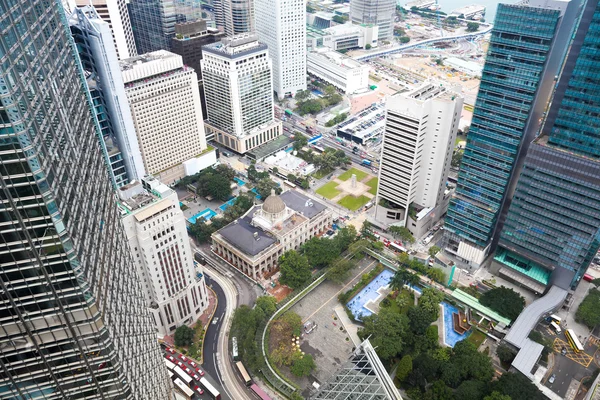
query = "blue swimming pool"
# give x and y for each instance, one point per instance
(317, 92)
(239, 181)
(369, 292)
(224, 206)
(207, 214)
(450, 336)
(258, 196)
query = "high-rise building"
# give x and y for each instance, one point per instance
(526, 50)
(375, 12)
(165, 104)
(281, 25)
(237, 15)
(114, 12)
(156, 230)
(239, 93)
(419, 137)
(72, 314)
(552, 231)
(188, 41)
(100, 62)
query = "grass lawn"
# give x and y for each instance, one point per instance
(329, 190)
(321, 173)
(476, 337)
(409, 301)
(353, 203)
(373, 185)
(360, 175)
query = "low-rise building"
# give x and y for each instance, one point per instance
(155, 226)
(254, 242)
(338, 70)
(367, 125)
(346, 36)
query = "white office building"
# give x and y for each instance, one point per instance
(281, 25)
(338, 70)
(375, 12)
(417, 150)
(239, 93)
(174, 288)
(346, 36)
(165, 104)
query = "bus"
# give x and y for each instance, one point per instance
(290, 184)
(588, 277)
(555, 318)
(189, 393)
(181, 373)
(318, 149)
(169, 364)
(234, 348)
(555, 326)
(573, 341)
(289, 113)
(243, 373)
(259, 392)
(210, 389)
(397, 248)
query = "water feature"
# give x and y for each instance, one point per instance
(207, 214)
(369, 292)
(451, 337)
(225, 205)
(239, 181)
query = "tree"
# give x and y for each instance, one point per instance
(201, 230)
(300, 142)
(516, 386)
(472, 26)
(505, 354)
(420, 319)
(184, 335)
(589, 309)
(344, 238)
(268, 304)
(437, 274)
(367, 46)
(439, 391)
(504, 301)
(497, 396)
(340, 271)
(226, 171)
(302, 95)
(404, 39)
(403, 233)
(457, 157)
(295, 270)
(405, 367)
(319, 252)
(403, 277)
(430, 300)
(265, 186)
(470, 390)
(387, 331)
(433, 250)
(303, 365)
(471, 363)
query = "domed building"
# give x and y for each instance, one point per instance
(254, 242)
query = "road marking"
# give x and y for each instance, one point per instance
(580, 358)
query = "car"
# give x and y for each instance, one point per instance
(193, 364)
(171, 358)
(171, 350)
(189, 371)
(552, 378)
(563, 351)
(199, 390)
(196, 377)
(180, 364)
(330, 232)
(183, 358)
(215, 320)
(200, 371)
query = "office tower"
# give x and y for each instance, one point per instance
(238, 16)
(419, 137)
(526, 49)
(165, 104)
(73, 321)
(219, 14)
(375, 12)
(552, 231)
(281, 25)
(101, 65)
(188, 41)
(114, 12)
(239, 93)
(155, 227)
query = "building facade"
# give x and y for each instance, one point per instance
(281, 25)
(156, 230)
(165, 104)
(419, 138)
(72, 316)
(254, 242)
(237, 16)
(100, 61)
(516, 83)
(239, 93)
(346, 36)
(552, 231)
(375, 12)
(336, 69)
(114, 13)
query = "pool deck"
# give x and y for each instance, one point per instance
(350, 327)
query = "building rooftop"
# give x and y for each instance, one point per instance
(136, 197)
(246, 237)
(236, 46)
(149, 65)
(271, 147)
(327, 55)
(301, 203)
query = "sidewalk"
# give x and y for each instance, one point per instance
(350, 327)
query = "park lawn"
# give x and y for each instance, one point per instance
(373, 185)
(329, 190)
(353, 203)
(360, 175)
(476, 337)
(321, 173)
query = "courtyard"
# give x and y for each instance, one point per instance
(352, 189)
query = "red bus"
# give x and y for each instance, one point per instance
(259, 392)
(397, 248)
(588, 278)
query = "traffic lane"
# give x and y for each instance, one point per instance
(212, 332)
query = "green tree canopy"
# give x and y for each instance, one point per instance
(517, 387)
(470, 390)
(303, 365)
(300, 142)
(387, 331)
(433, 250)
(295, 270)
(403, 277)
(268, 304)
(345, 237)
(320, 252)
(184, 336)
(405, 367)
(264, 187)
(589, 309)
(403, 233)
(505, 354)
(471, 363)
(420, 319)
(504, 301)
(430, 301)
(340, 270)
(497, 396)
(472, 26)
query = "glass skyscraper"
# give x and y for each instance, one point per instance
(72, 317)
(524, 54)
(552, 231)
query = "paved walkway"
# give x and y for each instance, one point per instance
(350, 327)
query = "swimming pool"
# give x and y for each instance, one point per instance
(207, 214)
(239, 181)
(258, 196)
(317, 93)
(369, 292)
(450, 336)
(225, 205)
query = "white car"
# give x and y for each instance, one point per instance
(193, 364)
(552, 378)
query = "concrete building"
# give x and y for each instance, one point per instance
(100, 62)
(72, 316)
(346, 36)
(156, 230)
(366, 126)
(339, 70)
(254, 242)
(237, 16)
(188, 41)
(114, 13)
(165, 104)
(281, 25)
(239, 93)
(375, 12)
(418, 142)
(468, 67)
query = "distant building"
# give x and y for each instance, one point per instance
(188, 41)
(346, 36)
(254, 242)
(165, 103)
(468, 67)
(338, 70)
(237, 16)
(281, 25)
(239, 93)
(375, 12)
(366, 126)
(156, 230)
(419, 138)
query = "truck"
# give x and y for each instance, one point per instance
(366, 162)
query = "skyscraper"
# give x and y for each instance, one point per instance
(552, 231)
(73, 320)
(238, 16)
(281, 25)
(375, 12)
(526, 50)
